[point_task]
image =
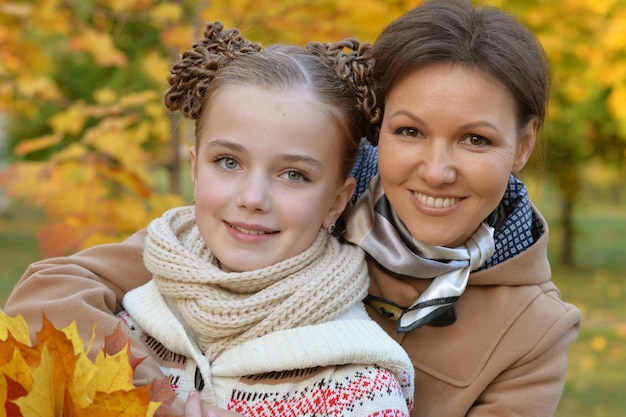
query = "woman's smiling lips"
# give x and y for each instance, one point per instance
(435, 202)
(434, 206)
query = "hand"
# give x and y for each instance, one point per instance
(195, 408)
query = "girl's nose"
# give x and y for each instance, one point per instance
(255, 194)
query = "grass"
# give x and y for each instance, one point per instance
(596, 380)
(18, 245)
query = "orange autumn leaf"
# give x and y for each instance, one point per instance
(161, 392)
(10, 391)
(116, 342)
(63, 381)
(121, 404)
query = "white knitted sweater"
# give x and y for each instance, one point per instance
(346, 367)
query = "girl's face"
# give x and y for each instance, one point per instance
(266, 175)
(449, 140)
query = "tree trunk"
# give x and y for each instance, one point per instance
(569, 232)
(173, 166)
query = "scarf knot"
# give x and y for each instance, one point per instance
(374, 226)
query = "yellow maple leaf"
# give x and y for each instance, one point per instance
(83, 389)
(64, 381)
(114, 372)
(18, 370)
(16, 326)
(45, 398)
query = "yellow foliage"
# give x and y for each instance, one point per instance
(50, 16)
(39, 87)
(119, 6)
(139, 99)
(177, 37)
(598, 343)
(71, 121)
(616, 103)
(156, 67)
(16, 9)
(64, 381)
(73, 151)
(33, 145)
(101, 46)
(165, 13)
(24, 180)
(105, 96)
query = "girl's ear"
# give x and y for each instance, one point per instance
(526, 144)
(344, 194)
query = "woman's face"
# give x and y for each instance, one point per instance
(266, 175)
(449, 140)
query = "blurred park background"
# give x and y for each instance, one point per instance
(88, 153)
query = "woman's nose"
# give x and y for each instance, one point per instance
(437, 166)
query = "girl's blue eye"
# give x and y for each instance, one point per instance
(295, 176)
(227, 162)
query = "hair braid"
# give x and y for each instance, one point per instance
(190, 77)
(352, 62)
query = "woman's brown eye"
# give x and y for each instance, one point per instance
(407, 131)
(477, 140)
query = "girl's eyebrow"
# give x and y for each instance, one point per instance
(227, 145)
(309, 160)
(224, 144)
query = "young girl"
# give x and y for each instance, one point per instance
(252, 302)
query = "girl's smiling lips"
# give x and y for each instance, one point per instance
(249, 229)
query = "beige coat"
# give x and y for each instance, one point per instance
(506, 355)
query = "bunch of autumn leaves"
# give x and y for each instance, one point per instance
(54, 377)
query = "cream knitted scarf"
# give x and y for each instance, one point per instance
(224, 309)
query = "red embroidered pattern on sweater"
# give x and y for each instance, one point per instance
(327, 398)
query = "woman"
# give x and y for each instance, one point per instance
(464, 92)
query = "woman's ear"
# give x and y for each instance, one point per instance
(526, 144)
(342, 198)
